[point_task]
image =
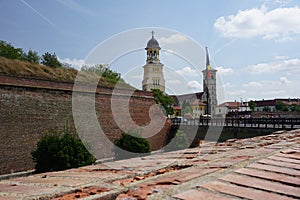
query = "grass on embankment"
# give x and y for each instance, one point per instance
(18, 68)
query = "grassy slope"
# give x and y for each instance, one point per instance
(26, 69)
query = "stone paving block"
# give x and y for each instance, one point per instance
(181, 176)
(54, 181)
(283, 159)
(270, 176)
(293, 156)
(262, 184)
(271, 168)
(243, 192)
(194, 173)
(279, 163)
(25, 189)
(82, 175)
(199, 195)
(7, 198)
(229, 161)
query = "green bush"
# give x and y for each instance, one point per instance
(131, 145)
(180, 141)
(58, 151)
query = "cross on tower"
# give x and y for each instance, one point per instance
(152, 32)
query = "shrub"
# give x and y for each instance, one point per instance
(180, 141)
(56, 151)
(131, 145)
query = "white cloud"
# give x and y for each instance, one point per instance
(172, 39)
(75, 63)
(280, 24)
(282, 87)
(252, 84)
(284, 80)
(291, 65)
(187, 71)
(194, 85)
(173, 81)
(225, 71)
(227, 85)
(278, 57)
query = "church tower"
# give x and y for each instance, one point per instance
(153, 69)
(209, 87)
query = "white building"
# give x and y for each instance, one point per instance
(153, 69)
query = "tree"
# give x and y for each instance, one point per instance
(266, 109)
(164, 100)
(186, 108)
(33, 57)
(252, 105)
(295, 108)
(50, 60)
(280, 106)
(132, 143)
(103, 71)
(56, 151)
(180, 141)
(8, 51)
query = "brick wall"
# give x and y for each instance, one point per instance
(28, 108)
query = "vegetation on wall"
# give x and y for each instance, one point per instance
(163, 100)
(131, 144)
(180, 141)
(186, 108)
(280, 106)
(105, 72)
(50, 60)
(59, 151)
(15, 62)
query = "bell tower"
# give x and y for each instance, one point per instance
(209, 87)
(153, 69)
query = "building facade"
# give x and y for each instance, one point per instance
(153, 69)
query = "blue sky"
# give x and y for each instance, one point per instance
(254, 44)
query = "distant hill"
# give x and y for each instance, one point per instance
(26, 69)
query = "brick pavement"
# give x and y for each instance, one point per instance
(264, 167)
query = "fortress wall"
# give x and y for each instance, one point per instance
(28, 108)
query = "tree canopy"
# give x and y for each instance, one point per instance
(252, 105)
(50, 60)
(164, 100)
(9, 51)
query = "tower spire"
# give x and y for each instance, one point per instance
(207, 64)
(207, 57)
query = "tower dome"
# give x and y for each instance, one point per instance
(152, 43)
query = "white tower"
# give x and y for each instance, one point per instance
(210, 87)
(153, 69)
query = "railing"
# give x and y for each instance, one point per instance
(289, 123)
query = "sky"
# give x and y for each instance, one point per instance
(254, 44)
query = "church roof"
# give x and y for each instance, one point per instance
(152, 43)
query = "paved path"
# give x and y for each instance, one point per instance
(264, 167)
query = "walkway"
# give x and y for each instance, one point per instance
(264, 167)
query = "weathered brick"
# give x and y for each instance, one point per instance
(270, 176)
(243, 192)
(271, 168)
(279, 163)
(292, 156)
(288, 160)
(200, 195)
(262, 184)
